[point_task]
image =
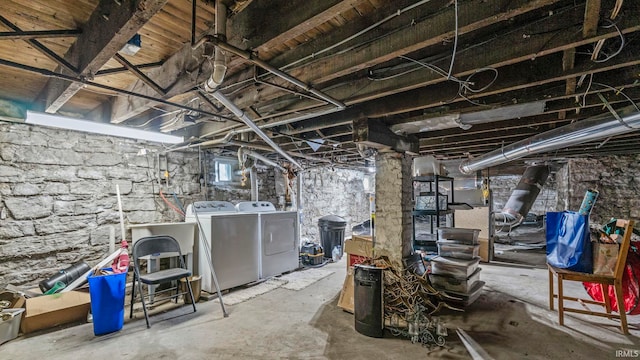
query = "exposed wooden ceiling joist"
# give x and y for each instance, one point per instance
(109, 28)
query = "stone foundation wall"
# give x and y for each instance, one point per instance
(327, 191)
(58, 200)
(617, 179)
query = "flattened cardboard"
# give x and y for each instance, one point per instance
(345, 302)
(47, 311)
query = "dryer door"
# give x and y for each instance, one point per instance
(279, 238)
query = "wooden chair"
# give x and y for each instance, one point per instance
(604, 280)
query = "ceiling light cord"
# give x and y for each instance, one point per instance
(455, 40)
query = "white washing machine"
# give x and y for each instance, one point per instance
(278, 237)
(233, 239)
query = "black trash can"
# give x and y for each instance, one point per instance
(332, 234)
(368, 307)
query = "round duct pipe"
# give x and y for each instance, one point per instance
(526, 192)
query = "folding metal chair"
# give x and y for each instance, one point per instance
(158, 246)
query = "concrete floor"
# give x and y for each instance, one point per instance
(510, 320)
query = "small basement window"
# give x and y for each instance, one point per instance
(223, 171)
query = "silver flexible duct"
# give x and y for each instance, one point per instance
(597, 127)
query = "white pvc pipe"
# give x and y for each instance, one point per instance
(121, 214)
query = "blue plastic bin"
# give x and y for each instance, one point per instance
(107, 301)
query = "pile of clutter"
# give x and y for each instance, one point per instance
(60, 299)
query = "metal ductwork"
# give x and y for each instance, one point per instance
(598, 127)
(219, 60)
(526, 192)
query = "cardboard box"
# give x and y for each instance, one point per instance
(345, 302)
(47, 311)
(486, 250)
(359, 248)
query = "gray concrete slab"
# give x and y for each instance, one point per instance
(511, 320)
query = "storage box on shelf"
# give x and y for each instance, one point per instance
(431, 209)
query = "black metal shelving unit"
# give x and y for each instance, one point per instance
(436, 217)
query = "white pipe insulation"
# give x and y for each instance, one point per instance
(219, 60)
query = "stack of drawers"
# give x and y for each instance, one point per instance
(455, 271)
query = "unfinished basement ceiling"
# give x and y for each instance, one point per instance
(513, 69)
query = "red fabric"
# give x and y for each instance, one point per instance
(356, 259)
(630, 285)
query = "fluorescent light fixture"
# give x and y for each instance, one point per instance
(99, 128)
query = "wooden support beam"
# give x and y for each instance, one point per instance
(441, 95)
(428, 31)
(376, 135)
(187, 68)
(503, 51)
(301, 15)
(295, 27)
(591, 18)
(590, 28)
(108, 29)
(568, 61)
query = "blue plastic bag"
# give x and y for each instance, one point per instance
(569, 242)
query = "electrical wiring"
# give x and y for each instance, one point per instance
(601, 43)
(464, 85)
(619, 91)
(410, 301)
(584, 97)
